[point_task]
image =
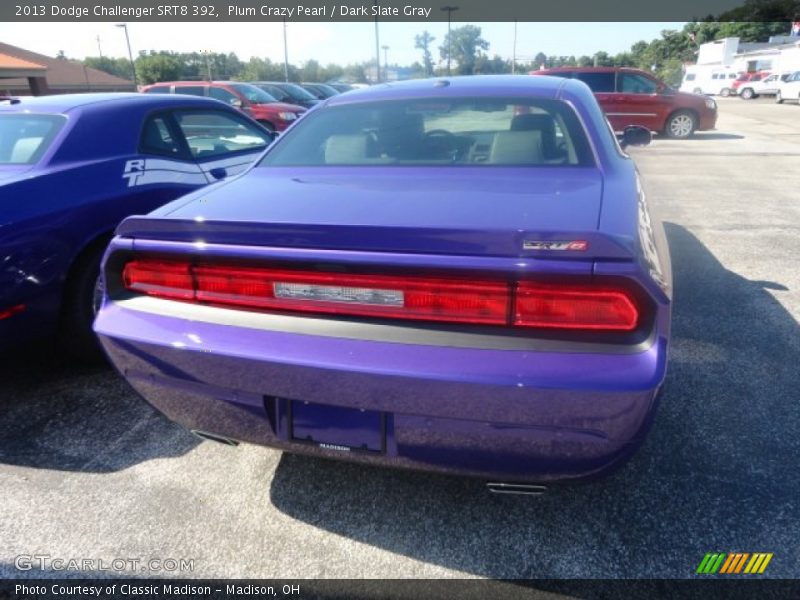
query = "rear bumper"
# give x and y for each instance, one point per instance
(518, 415)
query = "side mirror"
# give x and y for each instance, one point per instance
(236, 103)
(634, 135)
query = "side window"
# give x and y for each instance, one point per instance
(597, 81)
(215, 133)
(191, 90)
(715, 76)
(279, 94)
(158, 89)
(222, 94)
(158, 139)
(632, 83)
(691, 76)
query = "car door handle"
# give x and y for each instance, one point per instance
(219, 173)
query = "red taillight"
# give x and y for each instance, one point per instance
(11, 311)
(560, 307)
(159, 278)
(397, 297)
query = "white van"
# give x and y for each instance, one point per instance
(714, 81)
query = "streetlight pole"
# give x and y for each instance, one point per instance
(205, 54)
(99, 47)
(385, 63)
(449, 10)
(377, 46)
(285, 53)
(130, 54)
(514, 51)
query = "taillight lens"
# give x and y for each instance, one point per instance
(574, 308)
(159, 278)
(486, 302)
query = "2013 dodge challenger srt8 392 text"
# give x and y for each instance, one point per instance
(457, 275)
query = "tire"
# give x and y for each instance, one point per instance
(725, 92)
(82, 296)
(697, 91)
(747, 94)
(680, 125)
(778, 98)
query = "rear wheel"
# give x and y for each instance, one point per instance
(747, 94)
(725, 92)
(82, 297)
(680, 125)
(697, 91)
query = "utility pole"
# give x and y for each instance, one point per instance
(377, 46)
(514, 51)
(205, 53)
(450, 10)
(99, 48)
(385, 63)
(285, 53)
(130, 54)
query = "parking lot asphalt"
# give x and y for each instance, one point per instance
(88, 470)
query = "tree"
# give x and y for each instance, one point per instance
(540, 60)
(484, 64)
(423, 42)
(153, 68)
(120, 67)
(464, 43)
(312, 71)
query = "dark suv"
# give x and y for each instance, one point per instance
(634, 97)
(254, 102)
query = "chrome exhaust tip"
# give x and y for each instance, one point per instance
(205, 435)
(520, 489)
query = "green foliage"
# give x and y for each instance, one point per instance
(423, 42)
(120, 67)
(465, 44)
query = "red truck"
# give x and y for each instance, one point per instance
(252, 101)
(634, 97)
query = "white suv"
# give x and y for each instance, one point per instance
(789, 89)
(767, 86)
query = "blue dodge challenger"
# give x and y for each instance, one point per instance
(71, 168)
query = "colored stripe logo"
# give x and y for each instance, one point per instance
(734, 563)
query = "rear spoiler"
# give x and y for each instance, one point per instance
(568, 245)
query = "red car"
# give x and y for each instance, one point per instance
(634, 97)
(254, 102)
(745, 77)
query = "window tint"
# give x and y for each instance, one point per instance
(157, 139)
(159, 89)
(25, 138)
(597, 81)
(190, 90)
(222, 94)
(633, 83)
(211, 134)
(253, 94)
(297, 92)
(275, 92)
(460, 131)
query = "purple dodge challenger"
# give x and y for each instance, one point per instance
(458, 275)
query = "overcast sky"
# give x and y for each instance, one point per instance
(341, 43)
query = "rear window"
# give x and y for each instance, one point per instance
(25, 138)
(463, 131)
(597, 81)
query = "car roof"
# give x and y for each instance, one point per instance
(63, 103)
(480, 85)
(589, 69)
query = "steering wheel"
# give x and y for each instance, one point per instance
(443, 133)
(443, 141)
